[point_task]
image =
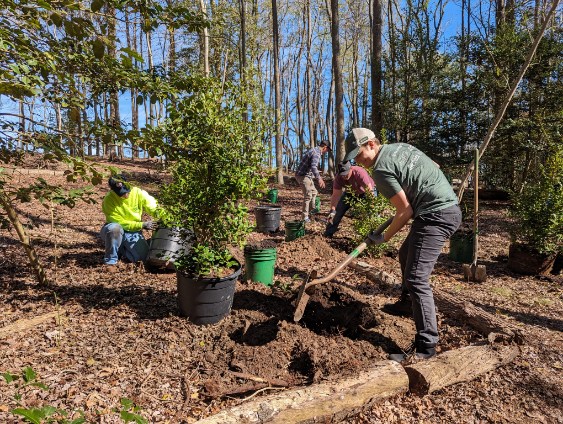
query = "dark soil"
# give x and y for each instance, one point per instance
(119, 335)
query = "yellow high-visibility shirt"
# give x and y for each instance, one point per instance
(129, 212)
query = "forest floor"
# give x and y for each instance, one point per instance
(119, 335)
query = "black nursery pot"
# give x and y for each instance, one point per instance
(206, 300)
(267, 218)
(166, 244)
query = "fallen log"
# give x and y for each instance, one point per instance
(456, 366)
(27, 323)
(495, 328)
(491, 326)
(332, 400)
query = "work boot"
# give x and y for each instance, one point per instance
(414, 351)
(402, 307)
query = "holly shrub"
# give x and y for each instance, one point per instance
(368, 214)
(217, 158)
(539, 208)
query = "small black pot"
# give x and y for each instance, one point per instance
(167, 244)
(206, 300)
(267, 218)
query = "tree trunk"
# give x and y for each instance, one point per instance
(376, 74)
(131, 37)
(25, 240)
(338, 86)
(205, 41)
(279, 148)
(308, 89)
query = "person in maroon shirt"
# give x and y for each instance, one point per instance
(356, 182)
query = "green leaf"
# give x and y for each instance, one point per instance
(96, 5)
(40, 385)
(57, 19)
(133, 54)
(131, 417)
(99, 48)
(35, 415)
(29, 375)
(7, 376)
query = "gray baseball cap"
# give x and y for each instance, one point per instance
(355, 139)
(344, 168)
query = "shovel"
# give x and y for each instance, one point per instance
(473, 271)
(303, 296)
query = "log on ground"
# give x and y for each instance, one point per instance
(487, 324)
(456, 366)
(27, 323)
(495, 328)
(320, 402)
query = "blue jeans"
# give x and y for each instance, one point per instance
(341, 209)
(120, 243)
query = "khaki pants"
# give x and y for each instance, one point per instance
(309, 193)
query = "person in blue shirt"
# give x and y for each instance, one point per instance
(306, 174)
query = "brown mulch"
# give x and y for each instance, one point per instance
(120, 335)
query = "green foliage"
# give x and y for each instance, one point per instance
(368, 215)
(39, 415)
(539, 208)
(218, 168)
(128, 411)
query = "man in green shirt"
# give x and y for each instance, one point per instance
(418, 189)
(123, 207)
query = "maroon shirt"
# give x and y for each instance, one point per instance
(358, 181)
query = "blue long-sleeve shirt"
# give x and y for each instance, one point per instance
(309, 165)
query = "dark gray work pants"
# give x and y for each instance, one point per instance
(417, 256)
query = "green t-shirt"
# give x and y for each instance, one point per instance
(400, 166)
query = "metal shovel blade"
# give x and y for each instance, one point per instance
(303, 297)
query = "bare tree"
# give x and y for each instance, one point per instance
(276, 50)
(337, 75)
(376, 74)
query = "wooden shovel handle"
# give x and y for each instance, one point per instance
(359, 249)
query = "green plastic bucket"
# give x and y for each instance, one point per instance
(294, 229)
(273, 195)
(318, 203)
(260, 264)
(461, 247)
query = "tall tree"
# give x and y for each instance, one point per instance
(276, 51)
(338, 85)
(376, 74)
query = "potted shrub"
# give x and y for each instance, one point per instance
(216, 170)
(537, 236)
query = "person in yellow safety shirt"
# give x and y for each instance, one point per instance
(123, 207)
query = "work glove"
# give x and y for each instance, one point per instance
(375, 239)
(331, 217)
(149, 225)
